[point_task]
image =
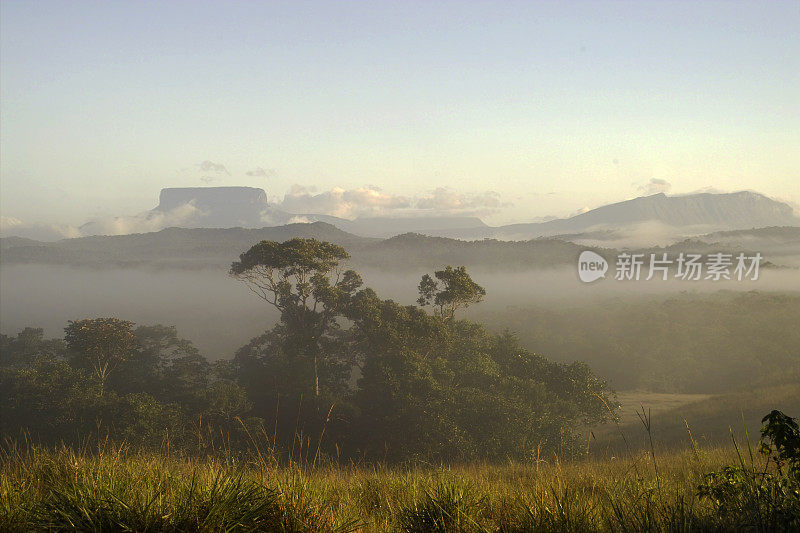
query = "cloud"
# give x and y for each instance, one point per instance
(259, 172)
(143, 223)
(14, 227)
(655, 186)
(344, 203)
(9, 222)
(449, 201)
(210, 166)
(580, 211)
(372, 201)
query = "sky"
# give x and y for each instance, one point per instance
(511, 111)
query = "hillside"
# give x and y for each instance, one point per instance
(171, 247)
(689, 214)
(213, 248)
(210, 248)
(738, 210)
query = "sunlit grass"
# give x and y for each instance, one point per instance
(113, 489)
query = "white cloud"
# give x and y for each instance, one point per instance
(9, 222)
(143, 223)
(14, 227)
(344, 203)
(259, 172)
(450, 202)
(655, 186)
(211, 166)
(371, 201)
(580, 211)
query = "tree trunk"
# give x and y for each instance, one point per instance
(101, 372)
(316, 378)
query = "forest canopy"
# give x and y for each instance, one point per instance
(344, 372)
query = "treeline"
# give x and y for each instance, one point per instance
(344, 373)
(689, 343)
(158, 389)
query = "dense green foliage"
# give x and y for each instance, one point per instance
(398, 383)
(162, 389)
(101, 344)
(344, 373)
(762, 497)
(694, 342)
(452, 289)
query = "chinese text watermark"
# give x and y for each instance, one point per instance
(661, 266)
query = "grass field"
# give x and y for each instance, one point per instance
(681, 420)
(655, 402)
(629, 480)
(109, 489)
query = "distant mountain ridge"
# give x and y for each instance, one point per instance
(193, 248)
(247, 207)
(703, 213)
(185, 248)
(737, 210)
(675, 217)
(200, 248)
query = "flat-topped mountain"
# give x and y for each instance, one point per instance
(209, 207)
(218, 198)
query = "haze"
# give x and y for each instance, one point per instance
(511, 111)
(219, 314)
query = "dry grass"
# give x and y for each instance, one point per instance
(115, 490)
(648, 484)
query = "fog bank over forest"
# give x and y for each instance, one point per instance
(219, 314)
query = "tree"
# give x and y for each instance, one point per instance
(303, 279)
(164, 365)
(438, 390)
(27, 346)
(452, 289)
(100, 343)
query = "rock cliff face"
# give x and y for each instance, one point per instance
(218, 207)
(213, 197)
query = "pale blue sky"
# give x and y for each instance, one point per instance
(553, 105)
